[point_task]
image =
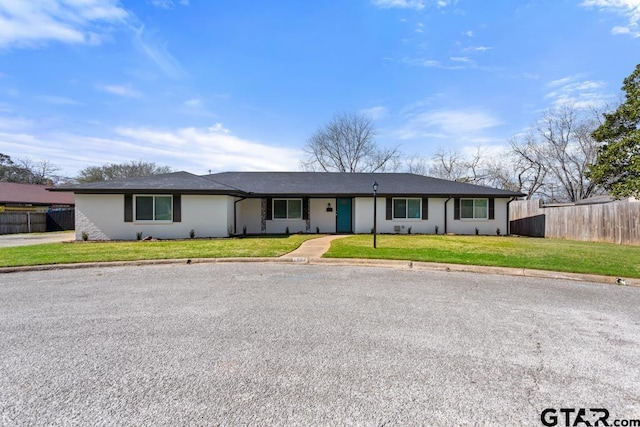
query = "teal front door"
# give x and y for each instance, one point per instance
(343, 216)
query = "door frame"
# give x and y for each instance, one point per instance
(350, 199)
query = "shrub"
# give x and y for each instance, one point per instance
(437, 228)
(192, 233)
(498, 231)
(139, 235)
(85, 236)
(230, 231)
(287, 231)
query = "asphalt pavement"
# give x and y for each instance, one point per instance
(297, 344)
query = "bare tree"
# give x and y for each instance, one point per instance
(28, 171)
(452, 165)
(448, 164)
(346, 144)
(553, 159)
(40, 172)
(528, 169)
(416, 164)
(120, 170)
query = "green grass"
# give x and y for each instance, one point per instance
(65, 253)
(519, 252)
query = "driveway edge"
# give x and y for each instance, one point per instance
(400, 264)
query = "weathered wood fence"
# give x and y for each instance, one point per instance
(615, 222)
(36, 222)
(23, 222)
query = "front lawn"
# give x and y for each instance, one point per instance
(520, 252)
(65, 253)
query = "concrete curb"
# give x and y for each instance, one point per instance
(413, 265)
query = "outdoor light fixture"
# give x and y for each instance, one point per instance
(329, 208)
(375, 212)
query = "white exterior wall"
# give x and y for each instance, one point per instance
(249, 214)
(364, 217)
(325, 221)
(101, 216)
(279, 226)
(485, 226)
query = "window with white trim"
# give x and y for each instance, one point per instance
(408, 208)
(287, 208)
(474, 208)
(154, 208)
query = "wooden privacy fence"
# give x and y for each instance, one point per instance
(61, 220)
(615, 222)
(37, 222)
(23, 222)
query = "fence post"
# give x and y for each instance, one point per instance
(29, 221)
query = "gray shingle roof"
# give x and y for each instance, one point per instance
(351, 184)
(292, 184)
(184, 182)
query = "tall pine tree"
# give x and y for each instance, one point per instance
(617, 168)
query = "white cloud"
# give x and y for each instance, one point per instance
(429, 63)
(462, 59)
(578, 93)
(412, 4)
(376, 113)
(404, 4)
(194, 149)
(158, 52)
(15, 124)
(468, 33)
(621, 30)
(215, 148)
(168, 4)
(58, 100)
(630, 9)
(456, 63)
(464, 124)
(193, 103)
(125, 91)
(34, 22)
(476, 49)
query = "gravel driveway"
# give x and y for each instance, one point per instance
(266, 344)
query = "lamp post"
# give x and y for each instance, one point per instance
(375, 212)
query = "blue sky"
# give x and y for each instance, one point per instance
(241, 85)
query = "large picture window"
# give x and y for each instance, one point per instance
(474, 208)
(407, 209)
(287, 208)
(154, 208)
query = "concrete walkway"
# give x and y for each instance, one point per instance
(313, 248)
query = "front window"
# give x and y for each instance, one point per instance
(474, 208)
(407, 208)
(287, 209)
(154, 208)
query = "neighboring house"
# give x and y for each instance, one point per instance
(169, 206)
(31, 197)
